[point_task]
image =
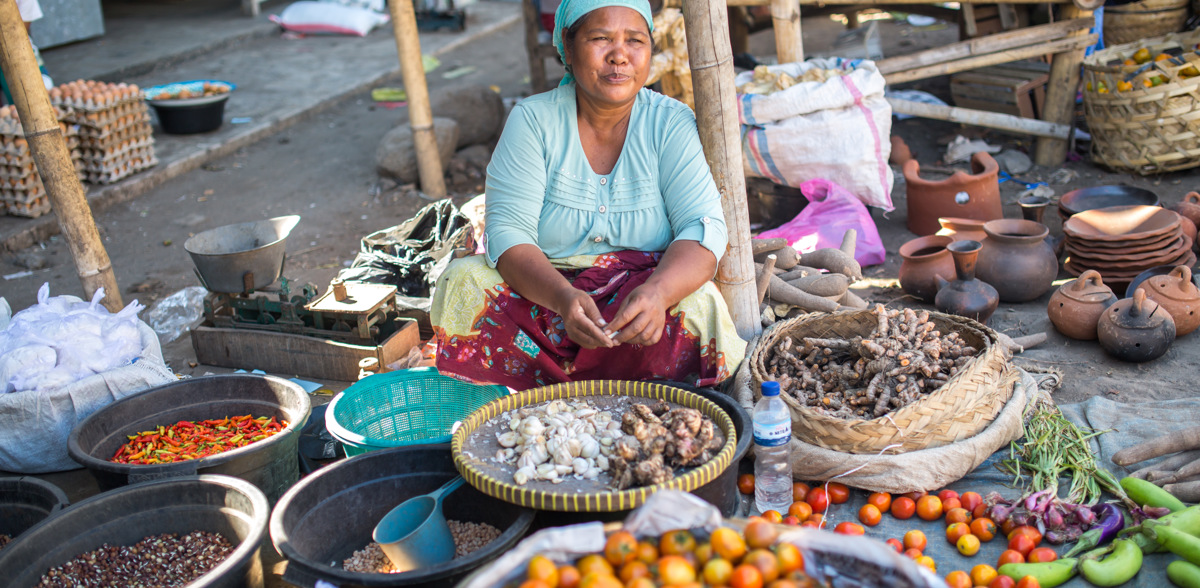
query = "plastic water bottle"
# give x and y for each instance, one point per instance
(772, 455)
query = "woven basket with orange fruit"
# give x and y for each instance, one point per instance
(1142, 103)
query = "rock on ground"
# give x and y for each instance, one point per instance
(478, 111)
(396, 156)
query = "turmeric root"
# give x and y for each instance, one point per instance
(787, 258)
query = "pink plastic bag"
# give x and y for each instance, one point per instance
(831, 211)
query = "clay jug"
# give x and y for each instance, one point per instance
(975, 195)
(1017, 260)
(1135, 329)
(966, 296)
(962, 229)
(1189, 208)
(925, 258)
(1076, 306)
(1179, 296)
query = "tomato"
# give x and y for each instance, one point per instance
(983, 574)
(1028, 582)
(746, 576)
(568, 576)
(838, 493)
(647, 552)
(717, 572)
(534, 584)
(704, 552)
(727, 543)
(1028, 531)
(746, 483)
(903, 508)
(915, 539)
(819, 519)
(690, 557)
(790, 558)
(791, 521)
(928, 562)
(594, 564)
(811, 524)
(1002, 582)
(641, 583)
(620, 549)
(1041, 555)
(968, 545)
(799, 491)
(945, 495)
(600, 581)
(1007, 527)
(766, 562)
(915, 496)
(956, 531)
(929, 508)
(818, 499)
(1010, 556)
(849, 528)
(759, 534)
(800, 510)
(633, 570)
(958, 579)
(980, 511)
(881, 500)
(773, 516)
(983, 528)
(674, 570)
(1022, 544)
(970, 500)
(542, 569)
(950, 504)
(912, 553)
(676, 542)
(783, 583)
(896, 544)
(958, 515)
(869, 515)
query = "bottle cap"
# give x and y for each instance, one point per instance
(770, 388)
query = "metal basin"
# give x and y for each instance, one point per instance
(241, 257)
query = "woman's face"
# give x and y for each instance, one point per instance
(610, 55)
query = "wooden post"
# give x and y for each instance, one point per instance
(785, 17)
(49, 149)
(420, 115)
(1060, 94)
(716, 117)
(537, 63)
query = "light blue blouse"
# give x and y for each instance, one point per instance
(542, 191)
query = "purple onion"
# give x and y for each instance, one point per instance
(1054, 518)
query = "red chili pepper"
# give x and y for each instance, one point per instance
(192, 440)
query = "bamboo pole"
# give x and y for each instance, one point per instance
(711, 62)
(785, 19)
(1060, 93)
(981, 118)
(1006, 56)
(49, 149)
(420, 114)
(983, 46)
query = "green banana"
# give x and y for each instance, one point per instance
(1183, 574)
(1177, 542)
(1116, 569)
(1048, 574)
(1147, 494)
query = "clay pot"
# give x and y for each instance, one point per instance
(1189, 208)
(961, 195)
(966, 296)
(925, 258)
(1135, 329)
(1178, 295)
(1017, 260)
(962, 229)
(1076, 307)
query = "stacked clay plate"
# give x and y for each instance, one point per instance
(1121, 242)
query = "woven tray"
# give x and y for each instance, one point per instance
(479, 473)
(1139, 129)
(958, 410)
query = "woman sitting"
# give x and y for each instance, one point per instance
(603, 226)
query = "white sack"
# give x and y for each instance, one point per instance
(328, 18)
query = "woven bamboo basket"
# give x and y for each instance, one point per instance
(1145, 118)
(958, 410)
(1133, 22)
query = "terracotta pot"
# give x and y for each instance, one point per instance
(962, 229)
(1033, 207)
(1017, 260)
(1135, 329)
(924, 259)
(966, 296)
(1189, 208)
(1076, 307)
(1178, 295)
(961, 195)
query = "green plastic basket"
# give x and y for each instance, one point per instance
(406, 407)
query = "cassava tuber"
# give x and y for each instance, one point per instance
(798, 272)
(763, 278)
(822, 284)
(852, 300)
(834, 260)
(763, 245)
(787, 258)
(781, 291)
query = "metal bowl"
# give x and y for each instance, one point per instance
(1077, 201)
(241, 257)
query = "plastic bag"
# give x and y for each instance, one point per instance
(414, 253)
(174, 315)
(325, 17)
(831, 211)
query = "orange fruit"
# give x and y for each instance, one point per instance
(929, 508)
(594, 564)
(1161, 57)
(881, 500)
(915, 539)
(760, 534)
(801, 510)
(869, 515)
(790, 558)
(542, 568)
(983, 574)
(728, 544)
(620, 549)
(746, 576)
(676, 542)
(968, 545)
(568, 576)
(958, 579)
(766, 562)
(674, 570)
(717, 572)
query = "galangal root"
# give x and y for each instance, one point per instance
(904, 358)
(659, 438)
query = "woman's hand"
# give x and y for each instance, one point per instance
(641, 317)
(582, 319)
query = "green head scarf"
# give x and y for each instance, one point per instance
(570, 11)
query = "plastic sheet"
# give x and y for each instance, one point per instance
(174, 315)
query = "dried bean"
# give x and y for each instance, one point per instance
(166, 560)
(468, 538)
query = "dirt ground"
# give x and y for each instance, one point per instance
(323, 169)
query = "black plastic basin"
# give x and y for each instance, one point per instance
(330, 514)
(272, 464)
(27, 501)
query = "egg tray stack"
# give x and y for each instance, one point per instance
(21, 189)
(115, 136)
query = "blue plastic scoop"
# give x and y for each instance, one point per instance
(414, 534)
